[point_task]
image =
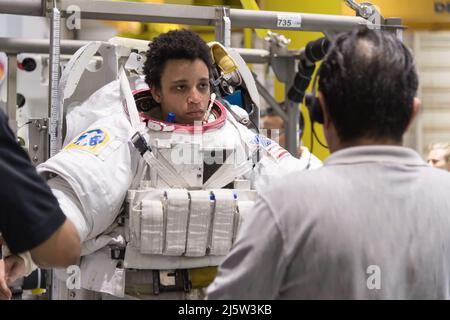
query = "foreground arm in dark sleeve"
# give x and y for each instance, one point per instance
(30, 217)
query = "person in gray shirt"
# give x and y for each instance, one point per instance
(374, 221)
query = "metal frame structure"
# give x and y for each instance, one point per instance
(222, 18)
(38, 148)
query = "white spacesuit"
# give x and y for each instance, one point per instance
(185, 192)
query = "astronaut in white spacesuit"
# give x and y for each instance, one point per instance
(187, 166)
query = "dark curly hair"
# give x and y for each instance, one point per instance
(175, 44)
(369, 81)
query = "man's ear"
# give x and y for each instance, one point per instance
(156, 94)
(416, 106)
(325, 110)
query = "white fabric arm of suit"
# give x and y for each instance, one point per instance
(70, 205)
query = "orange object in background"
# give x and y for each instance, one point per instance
(2, 70)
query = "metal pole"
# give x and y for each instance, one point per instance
(11, 102)
(291, 125)
(254, 55)
(192, 15)
(223, 26)
(144, 12)
(293, 21)
(22, 7)
(293, 112)
(13, 45)
(55, 111)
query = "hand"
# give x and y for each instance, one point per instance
(14, 268)
(5, 293)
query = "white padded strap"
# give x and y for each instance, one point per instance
(152, 227)
(165, 170)
(177, 211)
(223, 222)
(125, 90)
(199, 222)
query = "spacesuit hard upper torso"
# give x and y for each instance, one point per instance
(218, 169)
(101, 164)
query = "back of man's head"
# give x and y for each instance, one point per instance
(369, 82)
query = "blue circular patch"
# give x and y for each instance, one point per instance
(91, 138)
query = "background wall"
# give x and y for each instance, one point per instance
(432, 53)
